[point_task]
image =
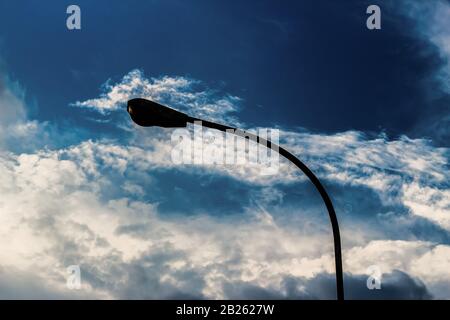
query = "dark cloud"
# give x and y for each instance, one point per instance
(152, 277)
(394, 285)
(17, 284)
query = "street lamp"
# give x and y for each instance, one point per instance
(148, 114)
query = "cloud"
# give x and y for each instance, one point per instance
(430, 24)
(12, 112)
(55, 217)
(396, 285)
(17, 284)
(60, 210)
(182, 93)
(428, 202)
(393, 169)
(413, 257)
(390, 168)
(19, 133)
(113, 207)
(404, 172)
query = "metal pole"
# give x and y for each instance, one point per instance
(312, 177)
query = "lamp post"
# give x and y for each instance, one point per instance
(147, 113)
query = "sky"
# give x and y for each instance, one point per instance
(366, 110)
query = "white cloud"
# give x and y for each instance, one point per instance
(180, 93)
(428, 202)
(55, 214)
(17, 132)
(84, 205)
(428, 261)
(12, 111)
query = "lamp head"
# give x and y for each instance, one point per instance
(148, 113)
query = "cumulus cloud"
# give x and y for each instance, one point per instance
(396, 285)
(54, 216)
(427, 261)
(59, 210)
(99, 204)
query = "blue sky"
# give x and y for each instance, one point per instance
(285, 60)
(368, 111)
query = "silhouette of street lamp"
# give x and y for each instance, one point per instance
(147, 113)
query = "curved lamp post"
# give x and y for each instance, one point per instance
(148, 114)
